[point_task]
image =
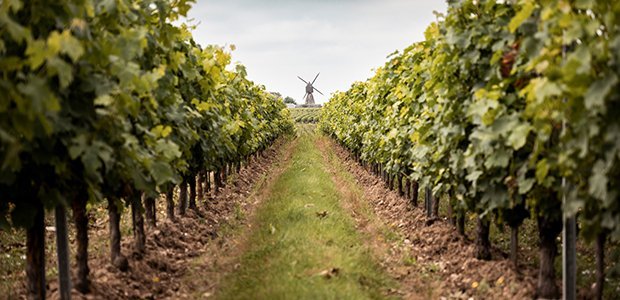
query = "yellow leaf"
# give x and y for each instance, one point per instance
(104, 100)
(53, 42)
(414, 137)
(474, 284)
(500, 281)
(523, 14)
(166, 131)
(204, 106)
(480, 94)
(66, 44)
(157, 130)
(37, 53)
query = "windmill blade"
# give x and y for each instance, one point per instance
(317, 76)
(304, 97)
(318, 91)
(302, 80)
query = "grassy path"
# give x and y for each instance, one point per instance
(303, 244)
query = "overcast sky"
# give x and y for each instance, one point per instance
(344, 40)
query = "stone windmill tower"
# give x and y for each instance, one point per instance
(309, 90)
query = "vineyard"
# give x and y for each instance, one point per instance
(507, 112)
(482, 162)
(113, 103)
(305, 115)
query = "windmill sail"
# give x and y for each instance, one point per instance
(317, 76)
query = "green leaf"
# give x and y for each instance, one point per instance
(518, 136)
(584, 4)
(526, 11)
(581, 59)
(41, 97)
(62, 69)
(598, 181)
(168, 149)
(504, 124)
(481, 107)
(526, 185)
(499, 158)
(18, 33)
(542, 169)
(546, 89)
(92, 163)
(473, 176)
(598, 91)
(78, 146)
(162, 172)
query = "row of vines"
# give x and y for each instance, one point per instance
(510, 110)
(305, 115)
(113, 101)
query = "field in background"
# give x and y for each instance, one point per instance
(305, 115)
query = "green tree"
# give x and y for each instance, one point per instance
(289, 100)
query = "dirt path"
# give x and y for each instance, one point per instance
(326, 228)
(221, 257)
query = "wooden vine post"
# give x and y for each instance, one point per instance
(62, 252)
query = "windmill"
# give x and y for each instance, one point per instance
(309, 89)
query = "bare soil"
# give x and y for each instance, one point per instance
(429, 261)
(188, 259)
(177, 253)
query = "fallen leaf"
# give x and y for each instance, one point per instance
(322, 214)
(329, 273)
(500, 281)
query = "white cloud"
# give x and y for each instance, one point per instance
(344, 40)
